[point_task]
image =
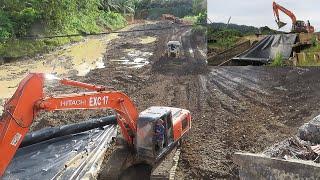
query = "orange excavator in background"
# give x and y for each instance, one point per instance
(298, 26)
(137, 130)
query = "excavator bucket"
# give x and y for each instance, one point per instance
(281, 24)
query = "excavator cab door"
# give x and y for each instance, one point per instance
(168, 132)
(147, 146)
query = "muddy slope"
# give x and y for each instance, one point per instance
(247, 109)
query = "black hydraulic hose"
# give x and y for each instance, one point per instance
(54, 132)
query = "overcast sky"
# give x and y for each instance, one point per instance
(259, 12)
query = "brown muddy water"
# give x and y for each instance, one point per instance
(72, 60)
(78, 59)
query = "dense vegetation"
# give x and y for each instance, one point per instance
(223, 36)
(152, 9)
(19, 17)
(243, 29)
(22, 18)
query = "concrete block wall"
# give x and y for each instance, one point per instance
(258, 166)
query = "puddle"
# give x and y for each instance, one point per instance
(134, 59)
(147, 40)
(281, 88)
(81, 58)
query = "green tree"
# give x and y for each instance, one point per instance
(202, 18)
(110, 5)
(6, 26)
(199, 6)
(126, 6)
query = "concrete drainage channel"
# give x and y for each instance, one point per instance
(294, 158)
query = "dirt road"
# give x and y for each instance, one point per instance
(134, 64)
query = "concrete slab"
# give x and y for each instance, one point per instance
(258, 166)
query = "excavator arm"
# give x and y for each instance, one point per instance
(276, 9)
(298, 26)
(28, 100)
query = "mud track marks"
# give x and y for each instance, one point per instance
(247, 109)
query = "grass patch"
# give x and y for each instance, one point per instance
(14, 48)
(224, 38)
(112, 20)
(19, 48)
(314, 49)
(278, 60)
(310, 52)
(192, 19)
(224, 43)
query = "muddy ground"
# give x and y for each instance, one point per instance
(233, 108)
(245, 109)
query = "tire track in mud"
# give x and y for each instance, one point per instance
(240, 85)
(202, 149)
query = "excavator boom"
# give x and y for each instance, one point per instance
(297, 25)
(276, 9)
(28, 100)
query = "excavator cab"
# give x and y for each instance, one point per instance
(173, 49)
(175, 121)
(146, 145)
(300, 27)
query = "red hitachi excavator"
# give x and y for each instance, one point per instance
(137, 130)
(298, 26)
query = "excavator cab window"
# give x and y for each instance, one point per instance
(168, 133)
(145, 140)
(172, 47)
(301, 23)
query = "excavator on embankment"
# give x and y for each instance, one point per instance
(298, 26)
(136, 129)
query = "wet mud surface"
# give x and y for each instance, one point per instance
(245, 109)
(233, 108)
